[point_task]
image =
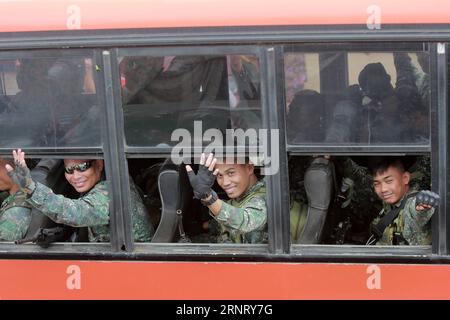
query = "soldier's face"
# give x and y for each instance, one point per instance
(391, 185)
(234, 179)
(86, 180)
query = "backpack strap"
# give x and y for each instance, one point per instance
(378, 229)
(18, 200)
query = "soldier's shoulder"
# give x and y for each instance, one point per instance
(259, 188)
(18, 199)
(101, 186)
(99, 191)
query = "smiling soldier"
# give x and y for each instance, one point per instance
(91, 209)
(243, 218)
(406, 214)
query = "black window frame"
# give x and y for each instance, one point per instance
(436, 149)
(126, 152)
(106, 43)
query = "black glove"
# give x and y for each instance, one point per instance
(22, 177)
(426, 197)
(201, 182)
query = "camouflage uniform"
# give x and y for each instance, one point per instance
(15, 217)
(91, 210)
(411, 225)
(143, 229)
(422, 81)
(244, 219)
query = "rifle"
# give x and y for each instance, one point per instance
(44, 236)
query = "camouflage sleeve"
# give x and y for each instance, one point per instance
(14, 223)
(405, 71)
(416, 220)
(422, 82)
(252, 216)
(90, 210)
(405, 86)
(142, 227)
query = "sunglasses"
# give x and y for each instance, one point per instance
(81, 167)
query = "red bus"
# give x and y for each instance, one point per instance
(121, 76)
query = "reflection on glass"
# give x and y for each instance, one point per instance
(161, 94)
(384, 100)
(48, 102)
(295, 73)
(355, 204)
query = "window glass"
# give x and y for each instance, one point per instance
(358, 98)
(298, 76)
(81, 210)
(162, 94)
(177, 216)
(340, 199)
(49, 103)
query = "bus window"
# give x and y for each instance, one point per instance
(19, 219)
(352, 206)
(194, 93)
(367, 100)
(363, 99)
(161, 94)
(49, 102)
(178, 217)
(71, 195)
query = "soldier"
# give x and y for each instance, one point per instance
(387, 107)
(242, 219)
(405, 217)
(15, 212)
(307, 106)
(91, 209)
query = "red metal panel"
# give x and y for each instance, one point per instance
(27, 279)
(27, 15)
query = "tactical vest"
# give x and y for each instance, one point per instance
(393, 233)
(15, 200)
(239, 204)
